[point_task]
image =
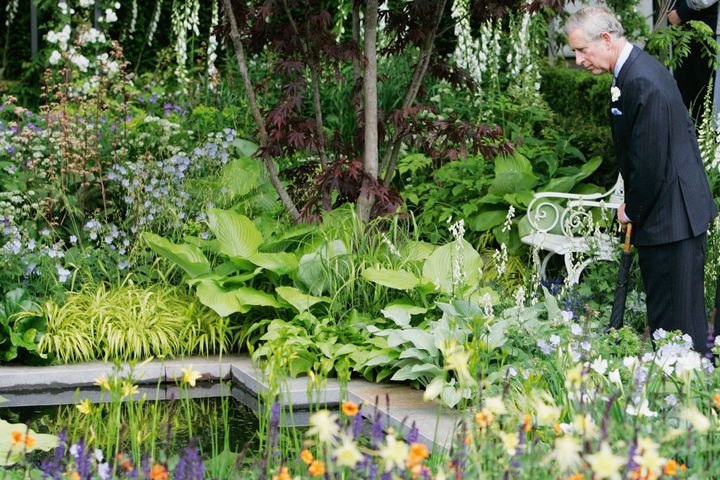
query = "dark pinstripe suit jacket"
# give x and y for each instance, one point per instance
(667, 195)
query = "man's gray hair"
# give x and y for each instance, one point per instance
(593, 22)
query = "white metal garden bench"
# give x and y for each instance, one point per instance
(576, 226)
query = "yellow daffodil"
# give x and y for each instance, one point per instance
(585, 426)
(566, 453)
(347, 454)
(496, 405)
(103, 383)
(574, 377)
(698, 421)
(510, 441)
(456, 359)
(189, 376)
(323, 424)
(546, 412)
(605, 464)
(128, 389)
(648, 458)
(84, 406)
(394, 453)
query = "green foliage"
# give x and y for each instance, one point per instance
(673, 44)
(129, 322)
(19, 333)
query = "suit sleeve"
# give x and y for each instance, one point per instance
(648, 147)
(688, 9)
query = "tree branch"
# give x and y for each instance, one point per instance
(252, 99)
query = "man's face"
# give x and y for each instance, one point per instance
(593, 55)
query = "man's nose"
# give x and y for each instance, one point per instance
(578, 59)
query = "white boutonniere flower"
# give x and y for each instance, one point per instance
(615, 94)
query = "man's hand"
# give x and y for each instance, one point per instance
(621, 214)
(674, 18)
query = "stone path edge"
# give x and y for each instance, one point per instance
(395, 405)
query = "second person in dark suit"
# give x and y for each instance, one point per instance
(667, 196)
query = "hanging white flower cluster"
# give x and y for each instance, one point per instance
(110, 15)
(61, 38)
(10, 11)
(87, 3)
(185, 18)
(212, 71)
(468, 53)
(133, 18)
(154, 22)
(522, 59)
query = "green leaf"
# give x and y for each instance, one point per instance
(211, 295)
(236, 234)
(299, 300)
(413, 372)
(450, 396)
(280, 262)
(240, 176)
(400, 313)
(188, 257)
(417, 251)
(419, 338)
(247, 296)
(512, 174)
(245, 147)
(487, 219)
(398, 279)
(438, 268)
(314, 268)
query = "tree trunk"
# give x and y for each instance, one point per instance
(390, 158)
(252, 99)
(370, 156)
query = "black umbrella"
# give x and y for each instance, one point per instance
(618, 308)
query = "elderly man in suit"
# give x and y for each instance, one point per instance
(667, 196)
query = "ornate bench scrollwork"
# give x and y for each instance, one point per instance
(575, 226)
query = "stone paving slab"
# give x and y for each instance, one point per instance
(397, 405)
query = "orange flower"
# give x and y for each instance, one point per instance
(484, 418)
(576, 476)
(316, 468)
(558, 429)
(527, 422)
(671, 468)
(716, 400)
(30, 442)
(350, 408)
(74, 476)
(16, 437)
(283, 475)
(124, 462)
(418, 453)
(683, 468)
(307, 456)
(468, 439)
(159, 472)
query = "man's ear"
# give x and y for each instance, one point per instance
(606, 38)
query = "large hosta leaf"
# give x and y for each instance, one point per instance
(229, 301)
(400, 313)
(212, 295)
(190, 258)
(16, 440)
(301, 301)
(315, 268)
(248, 297)
(399, 279)
(280, 262)
(438, 268)
(236, 234)
(240, 176)
(512, 174)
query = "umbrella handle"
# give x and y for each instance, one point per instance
(628, 234)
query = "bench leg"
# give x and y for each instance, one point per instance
(543, 265)
(573, 271)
